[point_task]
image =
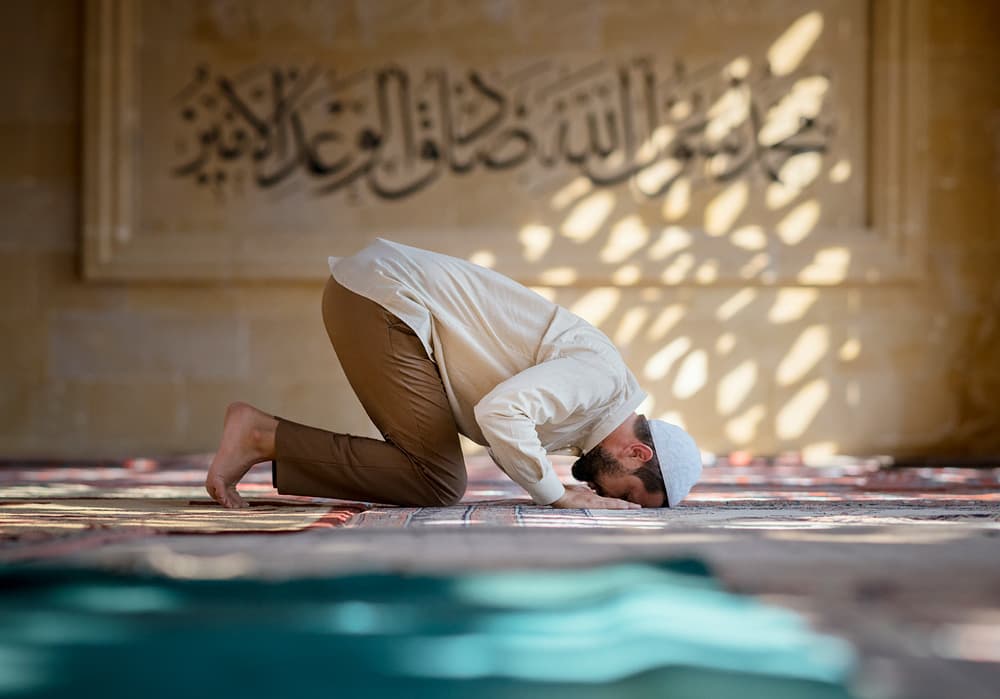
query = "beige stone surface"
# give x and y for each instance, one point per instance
(19, 286)
(852, 364)
(124, 345)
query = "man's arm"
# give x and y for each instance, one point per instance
(554, 391)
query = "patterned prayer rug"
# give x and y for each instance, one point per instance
(85, 504)
(858, 492)
(49, 509)
(157, 514)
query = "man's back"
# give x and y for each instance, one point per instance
(479, 326)
(436, 293)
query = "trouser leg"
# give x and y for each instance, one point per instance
(420, 462)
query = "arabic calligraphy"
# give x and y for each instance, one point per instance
(393, 132)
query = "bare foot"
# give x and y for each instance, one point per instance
(247, 439)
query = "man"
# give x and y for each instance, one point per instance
(435, 346)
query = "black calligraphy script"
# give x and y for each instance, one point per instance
(395, 131)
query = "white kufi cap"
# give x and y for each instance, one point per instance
(680, 460)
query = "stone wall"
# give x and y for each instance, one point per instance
(108, 368)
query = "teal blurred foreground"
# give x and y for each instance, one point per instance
(635, 630)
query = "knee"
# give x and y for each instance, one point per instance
(446, 486)
(452, 496)
(444, 499)
(450, 492)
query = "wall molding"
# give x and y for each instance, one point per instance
(891, 249)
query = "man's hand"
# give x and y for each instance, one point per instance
(579, 497)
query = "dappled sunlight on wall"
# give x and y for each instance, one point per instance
(789, 49)
(725, 208)
(795, 416)
(829, 266)
(660, 364)
(536, 241)
(791, 304)
(734, 387)
(483, 258)
(139, 276)
(627, 237)
(731, 335)
(587, 217)
(597, 306)
(809, 349)
(798, 223)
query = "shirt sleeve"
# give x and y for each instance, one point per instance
(558, 390)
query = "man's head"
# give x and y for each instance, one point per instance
(631, 463)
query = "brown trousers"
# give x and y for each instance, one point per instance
(420, 462)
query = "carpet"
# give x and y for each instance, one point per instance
(851, 492)
(164, 515)
(41, 502)
(50, 509)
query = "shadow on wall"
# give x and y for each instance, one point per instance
(704, 347)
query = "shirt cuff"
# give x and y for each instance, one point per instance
(547, 490)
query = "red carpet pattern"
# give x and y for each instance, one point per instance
(58, 506)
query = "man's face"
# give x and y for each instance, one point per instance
(615, 478)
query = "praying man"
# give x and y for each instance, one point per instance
(434, 347)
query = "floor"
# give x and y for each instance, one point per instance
(904, 564)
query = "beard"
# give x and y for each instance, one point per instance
(596, 462)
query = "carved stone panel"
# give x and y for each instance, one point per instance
(563, 143)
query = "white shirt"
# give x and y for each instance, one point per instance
(523, 376)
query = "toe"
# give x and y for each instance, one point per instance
(213, 491)
(234, 499)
